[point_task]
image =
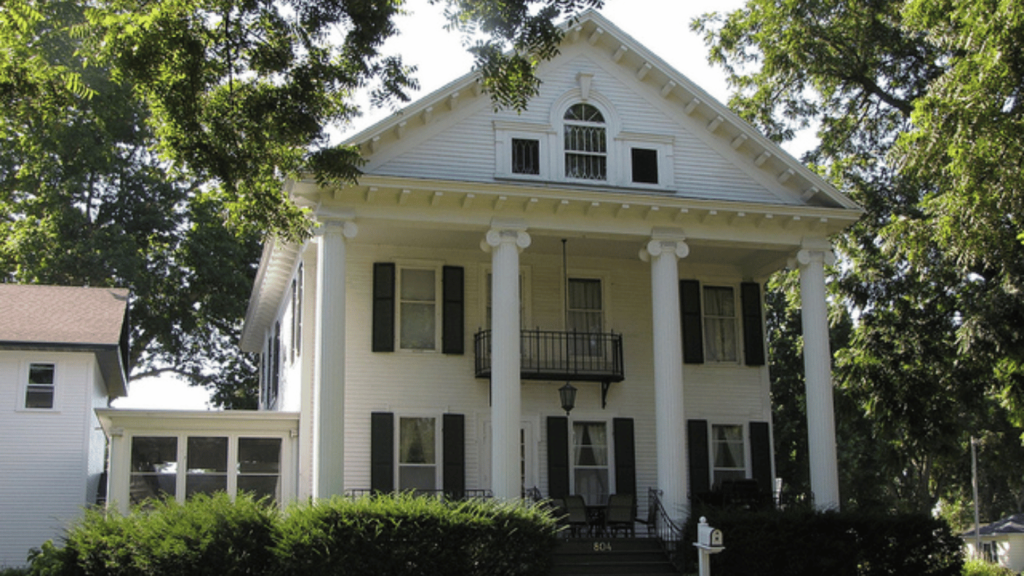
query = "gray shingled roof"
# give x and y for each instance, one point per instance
(1010, 525)
(61, 314)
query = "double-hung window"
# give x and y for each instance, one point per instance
(585, 316)
(417, 453)
(728, 453)
(41, 386)
(418, 309)
(720, 329)
(590, 461)
(585, 142)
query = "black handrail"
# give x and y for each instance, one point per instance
(554, 355)
(664, 527)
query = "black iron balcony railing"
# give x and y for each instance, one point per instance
(550, 355)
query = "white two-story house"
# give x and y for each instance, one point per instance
(63, 354)
(614, 238)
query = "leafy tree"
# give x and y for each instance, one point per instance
(931, 273)
(131, 131)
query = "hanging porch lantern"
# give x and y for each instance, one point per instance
(567, 394)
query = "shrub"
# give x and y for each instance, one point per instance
(406, 535)
(975, 567)
(399, 535)
(14, 572)
(839, 544)
(208, 535)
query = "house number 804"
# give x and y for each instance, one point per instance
(602, 547)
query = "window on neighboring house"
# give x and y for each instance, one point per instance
(214, 464)
(720, 324)
(273, 386)
(585, 315)
(728, 455)
(525, 156)
(418, 309)
(645, 165)
(585, 142)
(295, 295)
(417, 454)
(590, 461)
(41, 386)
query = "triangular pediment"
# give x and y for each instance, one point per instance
(699, 149)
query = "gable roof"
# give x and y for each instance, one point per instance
(38, 317)
(741, 140)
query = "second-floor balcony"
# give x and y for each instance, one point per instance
(553, 355)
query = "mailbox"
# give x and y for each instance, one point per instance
(707, 536)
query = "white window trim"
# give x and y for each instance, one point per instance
(612, 168)
(23, 387)
(505, 131)
(587, 274)
(711, 447)
(661, 143)
(525, 296)
(737, 323)
(437, 267)
(438, 446)
(585, 418)
(181, 474)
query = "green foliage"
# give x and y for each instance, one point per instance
(416, 536)
(381, 535)
(975, 567)
(207, 535)
(917, 109)
(802, 542)
(14, 572)
(85, 201)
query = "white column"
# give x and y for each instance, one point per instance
(669, 415)
(505, 244)
(329, 360)
(821, 427)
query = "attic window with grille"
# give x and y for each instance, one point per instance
(585, 140)
(525, 156)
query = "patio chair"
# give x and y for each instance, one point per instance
(576, 515)
(619, 514)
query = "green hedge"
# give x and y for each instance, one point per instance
(381, 535)
(803, 542)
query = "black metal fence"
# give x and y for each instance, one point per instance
(552, 355)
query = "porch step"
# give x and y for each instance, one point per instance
(612, 556)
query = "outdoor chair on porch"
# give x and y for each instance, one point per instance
(576, 515)
(619, 514)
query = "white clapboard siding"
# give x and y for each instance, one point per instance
(52, 459)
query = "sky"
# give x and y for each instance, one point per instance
(663, 26)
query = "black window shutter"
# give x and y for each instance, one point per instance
(453, 325)
(753, 335)
(453, 433)
(383, 307)
(558, 457)
(761, 456)
(700, 459)
(382, 452)
(693, 334)
(625, 456)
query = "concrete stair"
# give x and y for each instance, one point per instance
(612, 556)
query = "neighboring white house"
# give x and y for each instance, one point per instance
(616, 235)
(1002, 542)
(63, 353)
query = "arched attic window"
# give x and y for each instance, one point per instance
(586, 144)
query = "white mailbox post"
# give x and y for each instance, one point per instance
(709, 541)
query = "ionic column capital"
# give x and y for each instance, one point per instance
(658, 247)
(825, 257)
(346, 228)
(497, 236)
